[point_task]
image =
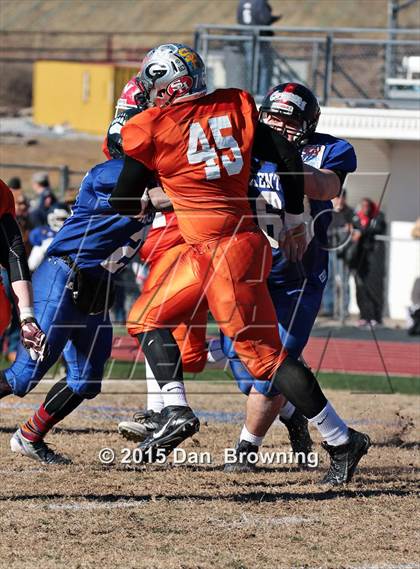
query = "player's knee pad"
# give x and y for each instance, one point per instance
(300, 386)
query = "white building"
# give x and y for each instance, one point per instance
(387, 144)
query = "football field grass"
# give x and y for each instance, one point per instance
(195, 516)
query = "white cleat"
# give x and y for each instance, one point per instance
(142, 425)
(39, 450)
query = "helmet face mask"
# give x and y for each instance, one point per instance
(290, 128)
(293, 110)
(131, 97)
(172, 73)
(113, 137)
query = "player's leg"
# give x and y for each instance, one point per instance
(296, 306)
(54, 310)
(85, 353)
(250, 320)
(175, 297)
(191, 340)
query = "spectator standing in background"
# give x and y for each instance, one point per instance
(340, 229)
(45, 198)
(258, 13)
(369, 263)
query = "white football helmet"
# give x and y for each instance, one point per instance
(172, 73)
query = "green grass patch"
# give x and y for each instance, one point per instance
(341, 381)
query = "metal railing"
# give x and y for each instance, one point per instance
(350, 66)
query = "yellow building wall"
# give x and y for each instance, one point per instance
(81, 95)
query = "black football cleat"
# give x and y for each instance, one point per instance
(345, 458)
(300, 439)
(175, 424)
(142, 425)
(242, 463)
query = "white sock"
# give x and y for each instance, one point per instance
(287, 410)
(173, 393)
(247, 436)
(154, 395)
(215, 352)
(330, 426)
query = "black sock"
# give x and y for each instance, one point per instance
(61, 400)
(162, 353)
(299, 385)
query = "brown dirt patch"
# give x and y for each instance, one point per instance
(184, 517)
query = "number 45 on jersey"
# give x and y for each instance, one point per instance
(200, 150)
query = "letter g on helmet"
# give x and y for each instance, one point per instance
(172, 73)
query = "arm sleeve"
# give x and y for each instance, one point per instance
(12, 250)
(126, 196)
(271, 146)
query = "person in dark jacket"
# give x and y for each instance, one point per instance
(369, 263)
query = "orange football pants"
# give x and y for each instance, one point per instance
(230, 276)
(190, 334)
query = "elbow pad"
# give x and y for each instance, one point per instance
(271, 146)
(12, 250)
(133, 180)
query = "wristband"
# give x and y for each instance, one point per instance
(26, 312)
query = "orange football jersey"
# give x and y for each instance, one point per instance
(201, 153)
(163, 235)
(7, 203)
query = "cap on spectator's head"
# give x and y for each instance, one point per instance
(14, 183)
(41, 178)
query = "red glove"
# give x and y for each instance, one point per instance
(34, 339)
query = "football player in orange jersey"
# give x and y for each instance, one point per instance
(199, 146)
(13, 258)
(163, 245)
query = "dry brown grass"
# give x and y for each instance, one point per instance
(181, 517)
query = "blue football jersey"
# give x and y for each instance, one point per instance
(93, 237)
(267, 199)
